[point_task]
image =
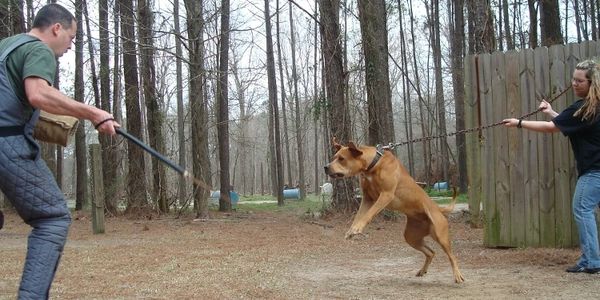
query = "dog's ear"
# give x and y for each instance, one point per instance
(335, 144)
(354, 150)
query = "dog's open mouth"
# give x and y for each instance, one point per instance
(336, 175)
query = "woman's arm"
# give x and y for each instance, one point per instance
(539, 126)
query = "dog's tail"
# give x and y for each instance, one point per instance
(446, 210)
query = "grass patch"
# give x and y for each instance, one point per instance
(312, 203)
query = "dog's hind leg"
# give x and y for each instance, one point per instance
(440, 234)
(415, 232)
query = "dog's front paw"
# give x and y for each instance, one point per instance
(352, 232)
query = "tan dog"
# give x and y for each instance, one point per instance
(385, 183)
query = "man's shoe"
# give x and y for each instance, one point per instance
(592, 270)
(576, 269)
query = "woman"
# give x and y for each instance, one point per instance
(580, 122)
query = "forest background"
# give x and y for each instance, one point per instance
(248, 94)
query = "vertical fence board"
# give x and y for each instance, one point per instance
(500, 162)
(573, 56)
(488, 190)
(530, 145)
(562, 190)
(545, 154)
(515, 150)
(472, 140)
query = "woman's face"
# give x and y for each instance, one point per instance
(581, 84)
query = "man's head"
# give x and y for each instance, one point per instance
(55, 26)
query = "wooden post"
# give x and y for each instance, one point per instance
(97, 189)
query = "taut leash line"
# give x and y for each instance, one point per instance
(469, 130)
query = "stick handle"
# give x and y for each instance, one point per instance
(136, 141)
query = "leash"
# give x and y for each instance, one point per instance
(167, 161)
(391, 146)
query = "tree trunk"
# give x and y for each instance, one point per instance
(181, 186)
(510, 43)
(481, 27)
(11, 17)
(406, 97)
(136, 183)
(81, 187)
(223, 109)
(457, 37)
(343, 198)
(316, 105)
(425, 129)
(198, 106)
(550, 23)
(533, 24)
(373, 27)
(155, 116)
(434, 31)
(299, 130)
(286, 140)
(278, 184)
(108, 144)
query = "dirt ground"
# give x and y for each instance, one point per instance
(285, 256)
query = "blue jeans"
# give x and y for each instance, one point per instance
(585, 202)
(31, 188)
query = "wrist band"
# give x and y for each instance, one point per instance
(103, 121)
(519, 125)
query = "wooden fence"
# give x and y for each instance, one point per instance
(523, 180)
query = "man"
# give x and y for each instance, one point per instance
(26, 87)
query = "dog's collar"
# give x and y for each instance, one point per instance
(378, 155)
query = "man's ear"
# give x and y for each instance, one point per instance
(354, 150)
(335, 144)
(56, 28)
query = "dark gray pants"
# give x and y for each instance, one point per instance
(31, 188)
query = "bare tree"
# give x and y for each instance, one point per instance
(136, 183)
(533, 24)
(108, 144)
(457, 50)
(510, 43)
(286, 140)
(223, 109)
(199, 114)
(274, 111)
(373, 25)
(481, 28)
(181, 187)
(343, 198)
(298, 123)
(80, 145)
(405, 87)
(11, 18)
(550, 23)
(155, 116)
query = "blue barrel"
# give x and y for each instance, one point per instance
(232, 195)
(291, 194)
(440, 186)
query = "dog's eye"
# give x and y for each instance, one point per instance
(340, 158)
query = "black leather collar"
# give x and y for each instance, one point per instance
(378, 154)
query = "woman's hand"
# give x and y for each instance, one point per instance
(512, 122)
(546, 108)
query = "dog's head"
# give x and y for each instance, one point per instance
(347, 161)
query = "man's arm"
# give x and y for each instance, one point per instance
(45, 97)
